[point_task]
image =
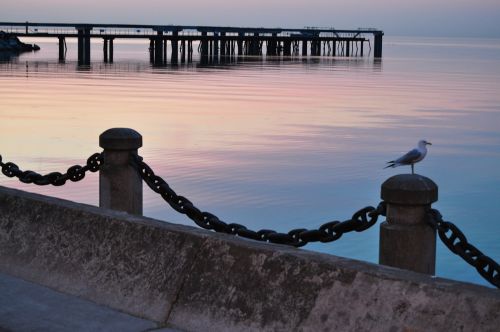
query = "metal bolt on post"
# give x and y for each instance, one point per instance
(406, 240)
(120, 185)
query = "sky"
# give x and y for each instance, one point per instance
(440, 18)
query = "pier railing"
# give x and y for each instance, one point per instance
(407, 237)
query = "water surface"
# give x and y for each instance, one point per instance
(274, 143)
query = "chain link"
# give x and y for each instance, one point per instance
(455, 240)
(74, 173)
(328, 232)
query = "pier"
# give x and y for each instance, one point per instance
(211, 42)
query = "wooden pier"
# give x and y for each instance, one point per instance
(211, 42)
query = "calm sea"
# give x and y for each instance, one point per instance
(274, 143)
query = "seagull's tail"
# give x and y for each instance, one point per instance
(391, 164)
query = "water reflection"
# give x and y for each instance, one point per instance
(68, 66)
(7, 56)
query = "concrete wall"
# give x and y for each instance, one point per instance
(196, 280)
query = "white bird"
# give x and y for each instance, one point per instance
(412, 157)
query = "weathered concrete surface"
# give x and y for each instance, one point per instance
(195, 280)
(133, 265)
(25, 306)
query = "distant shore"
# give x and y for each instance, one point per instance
(10, 43)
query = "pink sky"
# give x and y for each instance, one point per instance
(396, 17)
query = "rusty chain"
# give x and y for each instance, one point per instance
(455, 240)
(328, 232)
(74, 173)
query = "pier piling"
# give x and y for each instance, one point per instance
(108, 49)
(204, 46)
(62, 48)
(111, 48)
(183, 50)
(105, 49)
(158, 42)
(222, 44)
(151, 50)
(190, 50)
(377, 52)
(287, 48)
(83, 45)
(240, 43)
(175, 47)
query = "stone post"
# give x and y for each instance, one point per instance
(406, 240)
(120, 185)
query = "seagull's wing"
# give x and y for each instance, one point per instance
(409, 158)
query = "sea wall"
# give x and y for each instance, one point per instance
(196, 280)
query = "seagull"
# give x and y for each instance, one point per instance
(412, 157)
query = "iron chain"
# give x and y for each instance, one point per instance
(455, 240)
(328, 232)
(74, 173)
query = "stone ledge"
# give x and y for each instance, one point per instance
(197, 280)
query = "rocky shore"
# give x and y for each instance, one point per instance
(10, 43)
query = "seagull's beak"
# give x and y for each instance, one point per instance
(428, 143)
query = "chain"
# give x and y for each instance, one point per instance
(328, 232)
(456, 241)
(74, 173)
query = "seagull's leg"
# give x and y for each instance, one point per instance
(412, 170)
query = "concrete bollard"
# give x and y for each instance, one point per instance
(406, 240)
(120, 185)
